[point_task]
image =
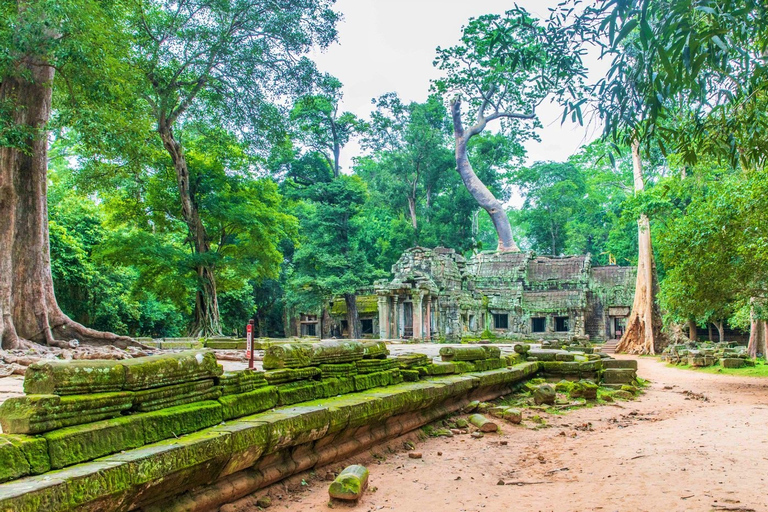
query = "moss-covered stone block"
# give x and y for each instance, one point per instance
(33, 414)
(13, 463)
(372, 380)
(284, 376)
(410, 375)
(74, 377)
(169, 467)
(375, 350)
(296, 392)
(250, 439)
(252, 402)
(241, 381)
(619, 376)
(178, 394)
(177, 421)
(441, 369)
(301, 355)
(292, 426)
(167, 369)
(336, 386)
(620, 363)
(342, 370)
(81, 443)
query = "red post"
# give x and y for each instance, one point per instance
(249, 343)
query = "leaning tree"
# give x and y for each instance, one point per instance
(74, 48)
(503, 68)
(232, 62)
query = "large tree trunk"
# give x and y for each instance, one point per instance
(693, 332)
(412, 212)
(354, 328)
(28, 306)
(643, 334)
(206, 320)
(477, 188)
(758, 335)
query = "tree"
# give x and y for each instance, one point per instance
(47, 45)
(553, 193)
(328, 260)
(504, 67)
(232, 61)
(321, 127)
(409, 153)
(242, 215)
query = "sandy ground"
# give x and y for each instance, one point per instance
(694, 441)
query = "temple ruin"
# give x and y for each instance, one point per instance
(440, 295)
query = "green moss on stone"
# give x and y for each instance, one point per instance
(168, 369)
(74, 377)
(252, 402)
(177, 421)
(72, 445)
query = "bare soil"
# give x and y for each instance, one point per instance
(693, 441)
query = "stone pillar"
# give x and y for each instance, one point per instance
(383, 317)
(418, 322)
(396, 316)
(428, 320)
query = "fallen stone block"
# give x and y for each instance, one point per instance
(732, 362)
(341, 370)
(184, 419)
(374, 365)
(544, 394)
(350, 484)
(463, 354)
(483, 424)
(301, 391)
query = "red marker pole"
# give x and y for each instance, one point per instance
(249, 343)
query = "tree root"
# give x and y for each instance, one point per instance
(67, 329)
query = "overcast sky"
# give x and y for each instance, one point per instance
(389, 45)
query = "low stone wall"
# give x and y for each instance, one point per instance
(205, 469)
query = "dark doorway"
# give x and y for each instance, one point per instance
(500, 321)
(538, 324)
(561, 323)
(367, 324)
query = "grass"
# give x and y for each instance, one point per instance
(760, 369)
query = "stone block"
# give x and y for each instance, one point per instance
(732, 362)
(620, 363)
(167, 369)
(291, 375)
(252, 402)
(300, 391)
(177, 421)
(619, 376)
(81, 443)
(375, 350)
(302, 355)
(544, 394)
(241, 381)
(74, 377)
(33, 414)
(155, 399)
(22, 456)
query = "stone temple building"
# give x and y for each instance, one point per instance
(438, 294)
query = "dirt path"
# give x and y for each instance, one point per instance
(668, 451)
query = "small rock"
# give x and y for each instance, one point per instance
(500, 482)
(264, 502)
(477, 435)
(439, 454)
(462, 423)
(456, 431)
(329, 476)
(414, 455)
(503, 443)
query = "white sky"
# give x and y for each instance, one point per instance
(389, 45)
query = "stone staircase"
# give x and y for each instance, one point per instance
(609, 347)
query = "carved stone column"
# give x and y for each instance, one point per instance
(418, 322)
(396, 316)
(383, 317)
(428, 321)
